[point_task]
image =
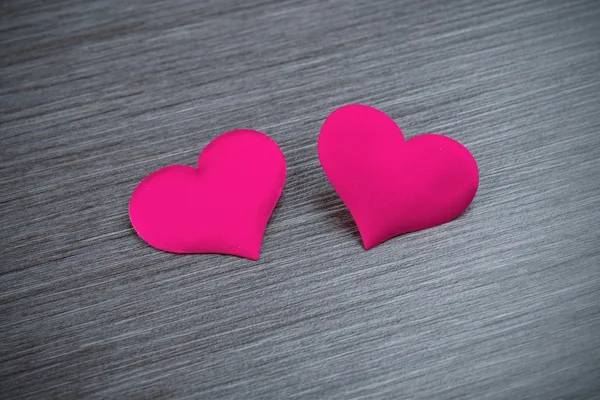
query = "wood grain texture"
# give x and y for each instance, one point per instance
(502, 303)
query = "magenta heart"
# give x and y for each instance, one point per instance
(222, 206)
(391, 186)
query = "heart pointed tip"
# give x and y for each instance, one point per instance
(253, 255)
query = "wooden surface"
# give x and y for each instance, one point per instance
(503, 303)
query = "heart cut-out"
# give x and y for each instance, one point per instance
(222, 206)
(391, 186)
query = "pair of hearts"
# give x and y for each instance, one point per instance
(390, 186)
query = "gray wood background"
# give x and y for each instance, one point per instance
(503, 303)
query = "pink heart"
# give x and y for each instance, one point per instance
(222, 206)
(391, 186)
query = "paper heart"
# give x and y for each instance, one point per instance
(391, 186)
(222, 206)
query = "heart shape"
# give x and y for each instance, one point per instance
(222, 206)
(391, 186)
